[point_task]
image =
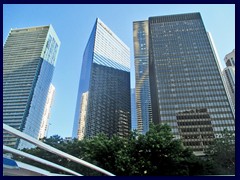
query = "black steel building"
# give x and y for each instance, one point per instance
(186, 86)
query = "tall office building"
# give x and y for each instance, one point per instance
(105, 78)
(133, 110)
(46, 113)
(29, 57)
(83, 115)
(187, 89)
(141, 61)
(229, 75)
(230, 59)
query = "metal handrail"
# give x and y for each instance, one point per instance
(40, 160)
(53, 150)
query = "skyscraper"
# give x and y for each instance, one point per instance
(187, 89)
(29, 57)
(230, 59)
(141, 61)
(83, 115)
(103, 101)
(229, 75)
(46, 114)
(133, 110)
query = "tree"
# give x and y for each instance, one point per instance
(156, 153)
(54, 140)
(222, 153)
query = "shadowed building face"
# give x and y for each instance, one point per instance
(187, 89)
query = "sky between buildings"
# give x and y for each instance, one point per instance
(73, 25)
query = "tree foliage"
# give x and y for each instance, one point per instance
(222, 153)
(156, 153)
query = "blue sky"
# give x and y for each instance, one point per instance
(73, 24)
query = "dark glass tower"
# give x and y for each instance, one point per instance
(29, 57)
(187, 89)
(104, 103)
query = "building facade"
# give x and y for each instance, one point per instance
(229, 75)
(105, 77)
(46, 113)
(133, 110)
(83, 116)
(187, 89)
(29, 57)
(141, 61)
(230, 59)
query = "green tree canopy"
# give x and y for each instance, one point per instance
(156, 153)
(222, 153)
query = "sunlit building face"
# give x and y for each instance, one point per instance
(29, 58)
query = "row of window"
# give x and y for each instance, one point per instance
(199, 129)
(189, 97)
(190, 104)
(194, 143)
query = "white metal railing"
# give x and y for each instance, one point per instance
(37, 159)
(52, 150)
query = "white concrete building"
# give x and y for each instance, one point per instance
(229, 75)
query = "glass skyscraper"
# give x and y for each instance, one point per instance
(29, 57)
(46, 113)
(133, 110)
(187, 89)
(104, 97)
(141, 61)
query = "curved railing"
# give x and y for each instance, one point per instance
(49, 149)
